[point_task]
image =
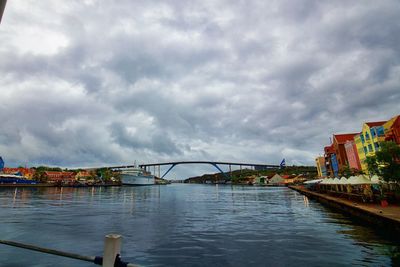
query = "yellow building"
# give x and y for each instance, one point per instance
(368, 141)
(320, 162)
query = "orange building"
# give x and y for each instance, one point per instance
(25, 172)
(338, 143)
(60, 177)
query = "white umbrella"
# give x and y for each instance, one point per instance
(361, 179)
(351, 179)
(375, 179)
(326, 181)
(314, 181)
(343, 180)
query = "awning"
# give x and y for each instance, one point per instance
(361, 179)
(314, 181)
(327, 181)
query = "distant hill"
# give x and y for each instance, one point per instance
(238, 175)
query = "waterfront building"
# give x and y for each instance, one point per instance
(335, 165)
(352, 154)
(339, 141)
(321, 167)
(290, 179)
(392, 129)
(328, 152)
(360, 150)
(369, 140)
(25, 172)
(84, 176)
(60, 177)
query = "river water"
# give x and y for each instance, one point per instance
(188, 225)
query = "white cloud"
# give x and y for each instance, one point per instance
(95, 83)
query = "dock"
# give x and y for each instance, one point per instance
(388, 218)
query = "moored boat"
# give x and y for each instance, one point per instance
(14, 179)
(137, 176)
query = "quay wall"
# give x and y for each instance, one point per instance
(375, 216)
(54, 185)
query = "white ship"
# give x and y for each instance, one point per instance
(137, 176)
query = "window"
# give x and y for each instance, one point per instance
(365, 150)
(370, 148)
(373, 132)
(362, 138)
(380, 131)
(367, 136)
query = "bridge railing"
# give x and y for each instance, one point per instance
(111, 255)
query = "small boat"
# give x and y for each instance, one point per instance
(14, 179)
(137, 176)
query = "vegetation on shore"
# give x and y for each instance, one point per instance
(104, 175)
(239, 176)
(386, 162)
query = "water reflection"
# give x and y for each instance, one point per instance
(305, 200)
(191, 225)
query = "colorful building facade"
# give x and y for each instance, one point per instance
(321, 167)
(368, 141)
(60, 177)
(25, 172)
(351, 150)
(352, 154)
(392, 130)
(328, 152)
(339, 141)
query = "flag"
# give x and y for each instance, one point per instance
(283, 164)
(1, 163)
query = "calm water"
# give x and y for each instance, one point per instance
(188, 225)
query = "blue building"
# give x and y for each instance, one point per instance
(335, 165)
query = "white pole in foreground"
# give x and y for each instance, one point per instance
(112, 247)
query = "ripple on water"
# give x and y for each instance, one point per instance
(190, 225)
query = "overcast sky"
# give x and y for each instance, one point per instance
(94, 83)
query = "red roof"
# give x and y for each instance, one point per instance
(287, 176)
(342, 138)
(396, 121)
(55, 175)
(24, 171)
(375, 123)
(329, 149)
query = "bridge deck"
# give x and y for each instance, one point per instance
(210, 162)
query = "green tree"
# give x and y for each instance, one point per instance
(40, 176)
(386, 162)
(105, 174)
(346, 171)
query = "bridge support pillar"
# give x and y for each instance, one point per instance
(170, 168)
(223, 173)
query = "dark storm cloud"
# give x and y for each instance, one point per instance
(154, 141)
(96, 83)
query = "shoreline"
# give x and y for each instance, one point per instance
(388, 218)
(52, 185)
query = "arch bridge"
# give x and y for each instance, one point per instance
(216, 164)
